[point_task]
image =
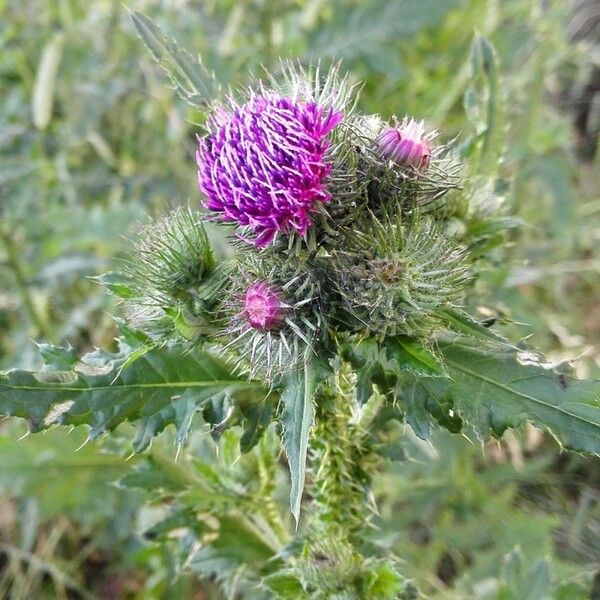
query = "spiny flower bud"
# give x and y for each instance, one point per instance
(262, 307)
(275, 313)
(406, 144)
(399, 277)
(264, 165)
(175, 284)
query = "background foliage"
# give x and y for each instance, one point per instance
(92, 142)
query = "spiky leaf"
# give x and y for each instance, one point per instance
(426, 400)
(191, 80)
(413, 356)
(150, 387)
(297, 417)
(494, 388)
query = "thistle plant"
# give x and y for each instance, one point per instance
(338, 314)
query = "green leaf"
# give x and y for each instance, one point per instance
(118, 284)
(464, 324)
(64, 474)
(179, 518)
(372, 367)
(385, 583)
(238, 544)
(285, 585)
(161, 386)
(424, 398)
(411, 355)
(496, 388)
(517, 583)
(190, 79)
(256, 419)
(158, 476)
(417, 370)
(297, 418)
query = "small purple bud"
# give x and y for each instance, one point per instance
(406, 144)
(262, 307)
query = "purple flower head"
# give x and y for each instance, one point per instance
(264, 165)
(263, 309)
(406, 144)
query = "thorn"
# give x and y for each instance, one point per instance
(297, 331)
(283, 339)
(309, 324)
(268, 348)
(255, 343)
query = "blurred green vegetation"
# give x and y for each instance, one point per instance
(91, 142)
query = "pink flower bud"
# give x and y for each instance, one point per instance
(262, 307)
(406, 144)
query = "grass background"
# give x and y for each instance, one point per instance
(92, 141)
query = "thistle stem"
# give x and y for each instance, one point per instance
(332, 564)
(339, 495)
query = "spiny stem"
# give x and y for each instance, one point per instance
(332, 565)
(338, 493)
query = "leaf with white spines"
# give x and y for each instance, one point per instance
(150, 387)
(192, 81)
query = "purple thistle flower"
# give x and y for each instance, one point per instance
(264, 165)
(406, 144)
(263, 309)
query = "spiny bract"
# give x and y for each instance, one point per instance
(276, 315)
(346, 215)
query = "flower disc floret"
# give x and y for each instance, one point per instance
(263, 308)
(264, 166)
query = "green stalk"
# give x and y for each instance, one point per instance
(338, 495)
(16, 266)
(332, 565)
